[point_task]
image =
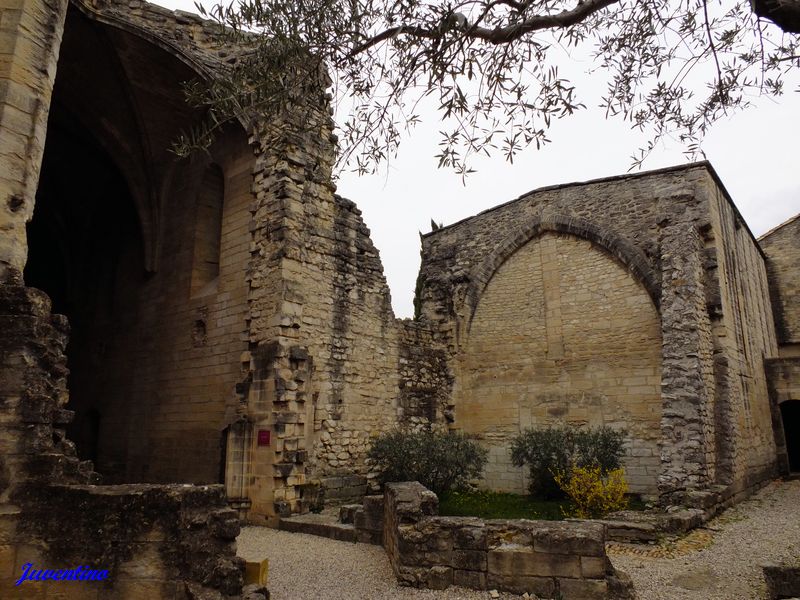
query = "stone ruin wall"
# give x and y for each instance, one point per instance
(173, 541)
(783, 257)
(298, 324)
(426, 379)
(162, 368)
(545, 558)
(782, 247)
(328, 381)
(661, 228)
(339, 369)
(562, 334)
(30, 36)
(738, 301)
(323, 365)
(566, 336)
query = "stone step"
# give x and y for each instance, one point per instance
(313, 525)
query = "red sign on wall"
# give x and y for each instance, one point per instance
(263, 437)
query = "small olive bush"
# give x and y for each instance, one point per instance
(548, 451)
(439, 461)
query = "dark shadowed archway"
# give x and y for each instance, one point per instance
(145, 254)
(790, 413)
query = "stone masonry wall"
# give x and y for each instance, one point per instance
(621, 212)
(548, 559)
(782, 247)
(425, 379)
(682, 241)
(30, 35)
(154, 358)
(687, 424)
(328, 381)
(744, 337)
(161, 369)
(783, 380)
(155, 541)
(562, 334)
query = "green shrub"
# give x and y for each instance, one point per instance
(439, 461)
(547, 451)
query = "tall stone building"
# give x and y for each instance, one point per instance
(230, 321)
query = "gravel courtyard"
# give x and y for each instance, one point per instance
(719, 562)
(763, 529)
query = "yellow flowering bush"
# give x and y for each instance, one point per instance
(593, 492)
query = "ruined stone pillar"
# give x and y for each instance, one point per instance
(293, 167)
(687, 367)
(30, 38)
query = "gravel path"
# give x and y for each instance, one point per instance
(764, 529)
(307, 567)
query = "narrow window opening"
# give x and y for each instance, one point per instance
(208, 232)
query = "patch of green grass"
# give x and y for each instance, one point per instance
(502, 505)
(499, 505)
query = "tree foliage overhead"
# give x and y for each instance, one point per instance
(491, 67)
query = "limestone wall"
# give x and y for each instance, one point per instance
(783, 380)
(623, 212)
(782, 248)
(155, 353)
(328, 379)
(161, 369)
(744, 337)
(659, 322)
(562, 334)
(30, 36)
(548, 559)
(425, 378)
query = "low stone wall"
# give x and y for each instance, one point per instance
(155, 541)
(549, 559)
(341, 489)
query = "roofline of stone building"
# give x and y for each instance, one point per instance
(693, 165)
(788, 221)
(196, 47)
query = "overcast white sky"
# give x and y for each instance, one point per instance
(754, 152)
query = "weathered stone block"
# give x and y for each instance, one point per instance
(470, 538)
(440, 577)
(512, 560)
(570, 538)
(593, 567)
(347, 513)
(469, 579)
(782, 581)
(543, 587)
(470, 560)
(224, 524)
(583, 589)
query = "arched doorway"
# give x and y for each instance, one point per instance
(790, 413)
(562, 334)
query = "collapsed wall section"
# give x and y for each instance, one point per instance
(319, 301)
